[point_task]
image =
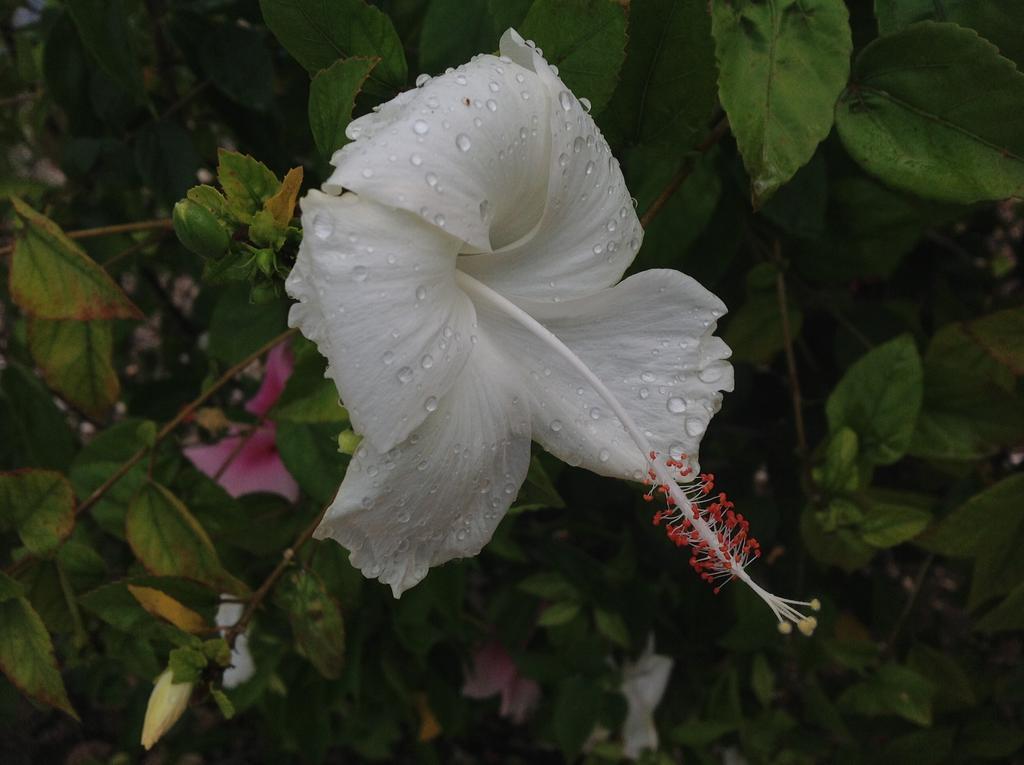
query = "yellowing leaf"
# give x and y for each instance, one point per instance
(52, 278)
(430, 728)
(282, 204)
(40, 505)
(76, 360)
(163, 605)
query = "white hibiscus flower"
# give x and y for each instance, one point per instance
(460, 272)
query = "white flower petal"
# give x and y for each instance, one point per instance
(377, 294)
(643, 684)
(649, 340)
(440, 494)
(468, 151)
(589, 233)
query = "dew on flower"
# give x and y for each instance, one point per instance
(420, 127)
(676, 405)
(405, 374)
(430, 404)
(463, 142)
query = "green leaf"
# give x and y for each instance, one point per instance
(558, 614)
(166, 158)
(549, 586)
(26, 655)
(76, 360)
(667, 88)
(40, 505)
(577, 706)
(97, 462)
(887, 524)
(33, 431)
(169, 541)
(612, 626)
(538, 491)
(308, 396)
(585, 39)
(186, 664)
(453, 32)
(52, 278)
(247, 183)
(1000, 335)
(332, 96)
(1007, 616)
(227, 709)
(955, 691)
(834, 544)
(762, 680)
(781, 65)
(892, 690)
(317, 34)
(970, 408)
(10, 588)
(115, 605)
(316, 621)
(104, 28)
(934, 109)
(755, 331)
(989, 527)
(879, 397)
(840, 472)
(997, 21)
(237, 61)
(310, 452)
(238, 327)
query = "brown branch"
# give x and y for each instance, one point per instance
(794, 378)
(118, 228)
(264, 589)
(183, 415)
(135, 248)
(716, 134)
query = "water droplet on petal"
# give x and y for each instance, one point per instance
(416, 160)
(577, 145)
(710, 375)
(422, 80)
(585, 102)
(695, 427)
(404, 375)
(589, 169)
(439, 220)
(595, 413)
(676, 405)
(647, 377)
(430, 404)
(322, 226)
(604, 455)
(494, 87)
(359, 273)
(367, 172)
(388, 357)
(366, 502)
(420, 127)
(463, 142)
(565, 99)
(676, 451)
(555, 425)
(427, 361)
(563, 160)
(644, 393)
(483, 209)
(431, 179)
(421, 292)
(492, 105)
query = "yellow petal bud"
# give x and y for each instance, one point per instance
(167, 703)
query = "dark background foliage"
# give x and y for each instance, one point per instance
(843, 173)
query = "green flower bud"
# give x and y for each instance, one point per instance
(199, 230)
(266, 262)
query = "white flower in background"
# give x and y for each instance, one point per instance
(643, 684)
(242, 666)
(461, 275)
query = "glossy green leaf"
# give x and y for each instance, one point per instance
(755, 330)
(316, 621)
(167, 160)
(317, 34)
(879, 397)
(887, 524)
(453, 32)
(667, 87)
(834, 544)
(839, 471)
(237, 60)
(308, 396)
(115, 605)
(891, 690)
(26, 655)
(40, 505)
(558, 614)
(999, 334)
(169, 541)
(105, 29)
(76, 358)
(935, 110)
(332, 95)
(51, 277)
(1006, 616)
(782, 63)
(239, 327)
(585, 39)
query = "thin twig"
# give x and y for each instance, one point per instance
(794, 378)
(264, 589)
(183, 415)
(118, 228)
(135, 248)
(915, 590)
(716, 134)
(243, 440)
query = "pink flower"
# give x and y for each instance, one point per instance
(494, 672)
(253, 460)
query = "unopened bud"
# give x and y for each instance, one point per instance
(167, 703)
(348, 441)
(199, 230)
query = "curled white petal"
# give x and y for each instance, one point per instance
(441, 493)
(643, 684)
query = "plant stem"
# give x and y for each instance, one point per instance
(716, 134)
(897, 628)
(117, 228)
(794, 377)
(264, 589)
(183, 415)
